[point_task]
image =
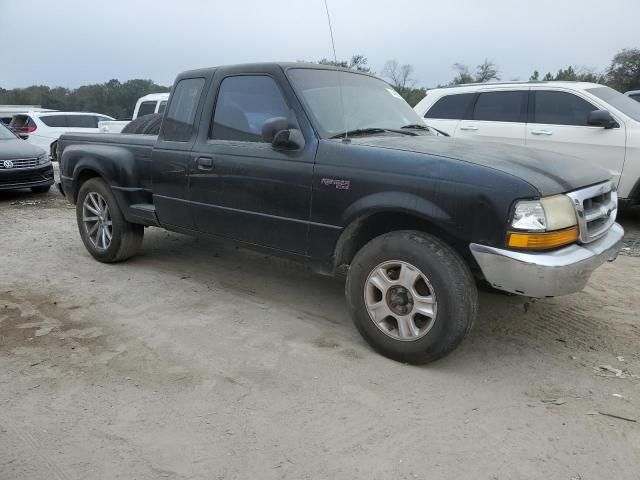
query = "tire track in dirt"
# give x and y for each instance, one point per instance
(35, 448)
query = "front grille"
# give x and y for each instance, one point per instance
(20, 163)
(596, 208)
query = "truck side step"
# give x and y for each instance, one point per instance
(144, 213)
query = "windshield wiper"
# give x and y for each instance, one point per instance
(359, 131)
(415, 126)
(371, 131)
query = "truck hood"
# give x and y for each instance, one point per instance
(550, 173)
(13, 149)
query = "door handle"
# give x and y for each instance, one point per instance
(205, 163)
(471, 128)
(541, 132)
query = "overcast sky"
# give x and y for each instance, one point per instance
(76, 42)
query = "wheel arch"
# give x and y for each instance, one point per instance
(372, 223)
(116, 165)
(81, 177)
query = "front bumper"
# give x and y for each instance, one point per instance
(16, 178)
(547, 274)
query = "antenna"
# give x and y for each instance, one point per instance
(335, 61)
(333, 44)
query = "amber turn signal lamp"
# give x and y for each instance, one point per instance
(542, 241)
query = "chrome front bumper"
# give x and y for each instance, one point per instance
(547, 274)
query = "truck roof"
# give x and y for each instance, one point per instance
(258, 66)
(154, 96)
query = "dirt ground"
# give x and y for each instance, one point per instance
(196, 360)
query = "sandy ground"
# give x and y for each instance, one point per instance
(201, 361)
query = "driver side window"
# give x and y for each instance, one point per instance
(560, 108)
(244, 103)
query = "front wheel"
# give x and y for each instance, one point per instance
(411, 296)
(104, 231)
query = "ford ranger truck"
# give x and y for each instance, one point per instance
(333, 168)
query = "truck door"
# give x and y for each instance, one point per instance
(240, 187)
(171, 155)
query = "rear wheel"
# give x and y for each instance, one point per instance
(41, 189)
(411, 296)
(104, 231)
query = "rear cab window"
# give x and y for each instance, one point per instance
(179, 122)
(147, 108)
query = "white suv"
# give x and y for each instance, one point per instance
(585, 120)
(44, 128)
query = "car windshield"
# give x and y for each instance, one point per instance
(5, 134)
(368, 103)
(626, 105)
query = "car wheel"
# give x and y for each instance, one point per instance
(41, 189)
(411, 296)
(104, 231)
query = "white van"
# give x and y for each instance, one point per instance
(586, 120)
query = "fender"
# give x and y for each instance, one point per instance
(398, 202)
(406, 206)
(113, 163)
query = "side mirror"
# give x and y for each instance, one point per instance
(281, 135)
(601, 118)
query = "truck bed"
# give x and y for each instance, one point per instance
(140, 145)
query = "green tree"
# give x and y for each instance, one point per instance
(111, 98)
(486, 71)
(624, 72)
(573, 74)
(357, 62)
(535, 76)
(463, 76)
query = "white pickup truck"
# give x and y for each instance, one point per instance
(589, 121)
(152, 103)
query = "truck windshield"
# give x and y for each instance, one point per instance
(626, 105)
(368, 103)
(5, 134)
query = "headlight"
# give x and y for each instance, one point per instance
(543, 224)
(529, 215)
(42, 159)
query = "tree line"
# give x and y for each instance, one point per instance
(118, 99)
(111, 98)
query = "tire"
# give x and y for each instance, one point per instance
(435, 274)
(145, 125)
(126, 238)
(41, 189)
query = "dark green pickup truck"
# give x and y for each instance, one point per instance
(333, 168)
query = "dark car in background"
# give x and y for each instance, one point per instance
(23, 165)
